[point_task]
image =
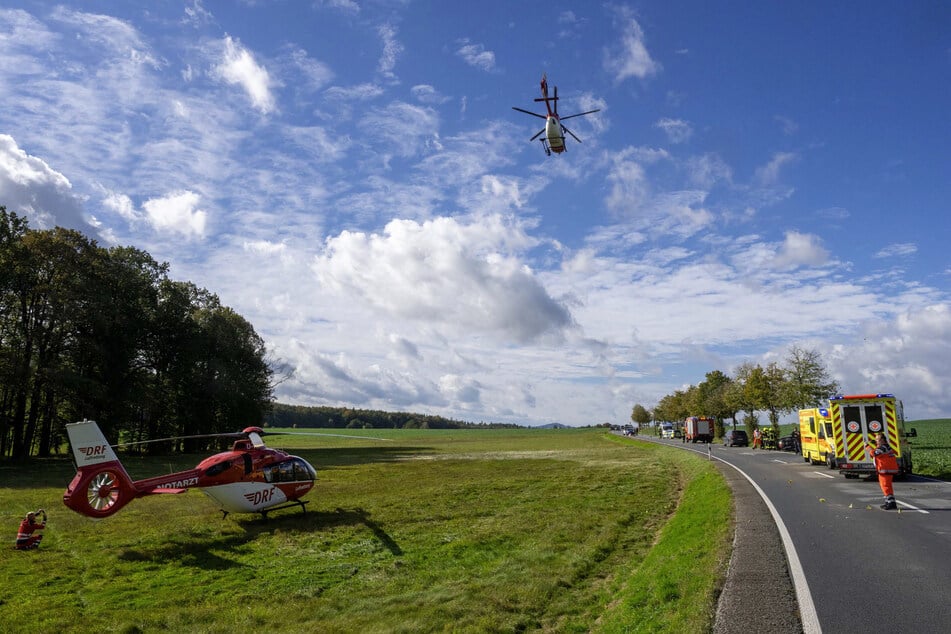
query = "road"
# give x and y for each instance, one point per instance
(866, 569)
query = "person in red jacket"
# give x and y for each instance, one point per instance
(26, 540)
(886, 464)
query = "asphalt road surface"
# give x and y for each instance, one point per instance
(854, 567)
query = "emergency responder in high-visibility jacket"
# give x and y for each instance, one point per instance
(26, 540)
(886, 464)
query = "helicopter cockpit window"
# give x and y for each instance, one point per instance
(293, 470)
(217, 469)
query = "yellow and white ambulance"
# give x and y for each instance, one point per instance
(855, 422)
(817, 436)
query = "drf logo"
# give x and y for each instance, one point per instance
(92, 452)
(259, 497)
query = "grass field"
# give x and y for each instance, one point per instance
(435, 530)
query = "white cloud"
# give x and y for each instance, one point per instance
(177, 213)
(31, 188)
(359, 92)
(800, 249)
(768, 174)
(897, 250)
(908, 355)
(429, 95)
(629, 58)
(315, 73)
(707, 170)
(391, 50)
(463, 277)
(238, 67)
(677, 130)
(475, 55)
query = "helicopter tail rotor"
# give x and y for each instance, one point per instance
(101, 485)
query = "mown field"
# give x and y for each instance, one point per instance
(432, 531)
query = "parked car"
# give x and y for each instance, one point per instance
(735, 438)
(788, 443)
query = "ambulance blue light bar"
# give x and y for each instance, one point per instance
(856, 397)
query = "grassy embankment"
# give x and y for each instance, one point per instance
(462, 530)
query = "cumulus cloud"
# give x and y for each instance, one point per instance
(461, 276)
(908, 355)
(237, 66)
(30, 187)
(800, 249)
(629, 57)
(177, 213)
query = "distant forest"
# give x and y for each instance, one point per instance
(345, 418)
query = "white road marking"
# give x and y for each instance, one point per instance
(911, 506)
(824, 475)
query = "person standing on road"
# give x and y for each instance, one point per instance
(757, 439)
(886, 464)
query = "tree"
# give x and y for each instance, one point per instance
(640, 415)
(744, 393)
(807, 380)
(774, 394)
(714, 400)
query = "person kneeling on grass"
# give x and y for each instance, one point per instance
(26, 540)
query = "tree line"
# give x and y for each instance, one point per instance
(282, 415)
(104, 334)
(800, 382)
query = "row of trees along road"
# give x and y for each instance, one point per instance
(104, 334)
(801, 382)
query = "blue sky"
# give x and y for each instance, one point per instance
(350, 176)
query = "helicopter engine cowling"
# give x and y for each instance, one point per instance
(99, 491)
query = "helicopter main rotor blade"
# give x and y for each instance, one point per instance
(565, 128)
(537, 135)
(534, 114)
(317, 433)
(580, 114)
(171, 438)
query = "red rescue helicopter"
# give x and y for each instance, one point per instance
(554, 130)
(250, 478)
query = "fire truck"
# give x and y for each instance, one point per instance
(817, 436)
(855, 422)
(698, 429)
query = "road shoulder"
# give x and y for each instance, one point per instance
(758, 594)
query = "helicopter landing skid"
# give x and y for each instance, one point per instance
(301, 503)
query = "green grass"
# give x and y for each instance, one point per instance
(931, 449)
(435, 530)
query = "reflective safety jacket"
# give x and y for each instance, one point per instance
(26, 529)
(885, 461)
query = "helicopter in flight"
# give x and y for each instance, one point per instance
(554, 130)
(249, 478)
